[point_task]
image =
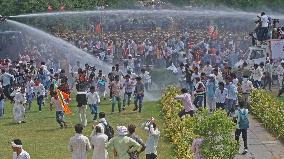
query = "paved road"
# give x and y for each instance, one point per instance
(261, 144)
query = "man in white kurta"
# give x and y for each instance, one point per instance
(98, 142)
(79, 144)
(19, 108)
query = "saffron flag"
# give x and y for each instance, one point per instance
(98, 28)
(64, 97)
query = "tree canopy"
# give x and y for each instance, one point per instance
(14, 7)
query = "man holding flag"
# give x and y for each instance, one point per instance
(59, 110)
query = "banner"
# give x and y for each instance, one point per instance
(277, 49)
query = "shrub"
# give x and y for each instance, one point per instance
(215, 128)
(269, 110)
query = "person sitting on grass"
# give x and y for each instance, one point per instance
(188, 107)
(59, 110)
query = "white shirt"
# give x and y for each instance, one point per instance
(6, 78)
(93, 98)
(79, 145)
(264, 21)
(280, 70)
(29, 87)
(247, 86)
(257, 74)
(22, 155)
(39, 90)
(207, 69)
(152, 140)
(99, 141)
(221, 97)
(19, 98)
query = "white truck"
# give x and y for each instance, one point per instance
(271, 49)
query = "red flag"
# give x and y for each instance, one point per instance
(98, 28)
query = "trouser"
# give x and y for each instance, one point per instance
(198, 101)
(189, 87)
(183, 112)
(1, 108)
(211, 104)
(110, 93)
(60, 118)
(230, 107)
(7, 92)
(136, 99)
(257, 84)
(39, 102)
(114, 99)
(151, 156)
(220, 106)
(245, 99)
(147, 85)
(18, 113)
(29, 100)
(94, 110)
(127, 96)
(238, 132)
(264, 33)
(280, 81)
(267, 81)
(281, 90)
(82, 116)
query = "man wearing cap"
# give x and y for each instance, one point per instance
(18, 151)
(122, 145)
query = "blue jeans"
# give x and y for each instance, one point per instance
(29, 97)
(60, 117)
(257, 84)
(231, 105)
(39, 101)
(1, 108)
(198, 101)
(114, 99)
(189, 87)
(136, 99)
(94, 110)
(127, 96)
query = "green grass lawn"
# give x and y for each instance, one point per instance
(43, 139)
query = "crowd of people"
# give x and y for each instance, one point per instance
(205, 68)
(22, 82)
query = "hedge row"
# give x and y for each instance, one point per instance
(269, 110)
(215, 128)
(179, 132)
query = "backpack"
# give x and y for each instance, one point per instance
(108, 130)
(243, 121)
